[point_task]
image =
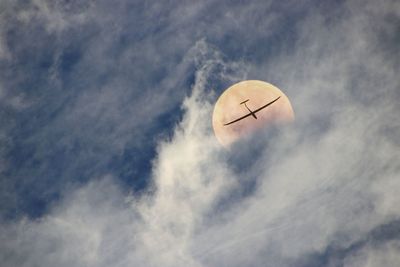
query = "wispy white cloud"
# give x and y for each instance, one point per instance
(385, 255)
(327, 181)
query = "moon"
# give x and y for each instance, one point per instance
(248, 106)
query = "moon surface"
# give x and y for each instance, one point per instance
(230, 107)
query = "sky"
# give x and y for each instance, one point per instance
(108, 158)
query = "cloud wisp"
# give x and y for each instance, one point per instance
(320, 192)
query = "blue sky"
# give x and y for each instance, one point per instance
(107, 155)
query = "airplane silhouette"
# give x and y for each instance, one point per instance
(251, 113)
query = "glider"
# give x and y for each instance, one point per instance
(251, 113)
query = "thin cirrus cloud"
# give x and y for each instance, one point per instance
(321, 192)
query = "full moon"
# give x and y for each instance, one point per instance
(248, 106)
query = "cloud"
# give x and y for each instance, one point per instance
(96, 84)
(386, 255)
(310, 194)
(84, 85)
